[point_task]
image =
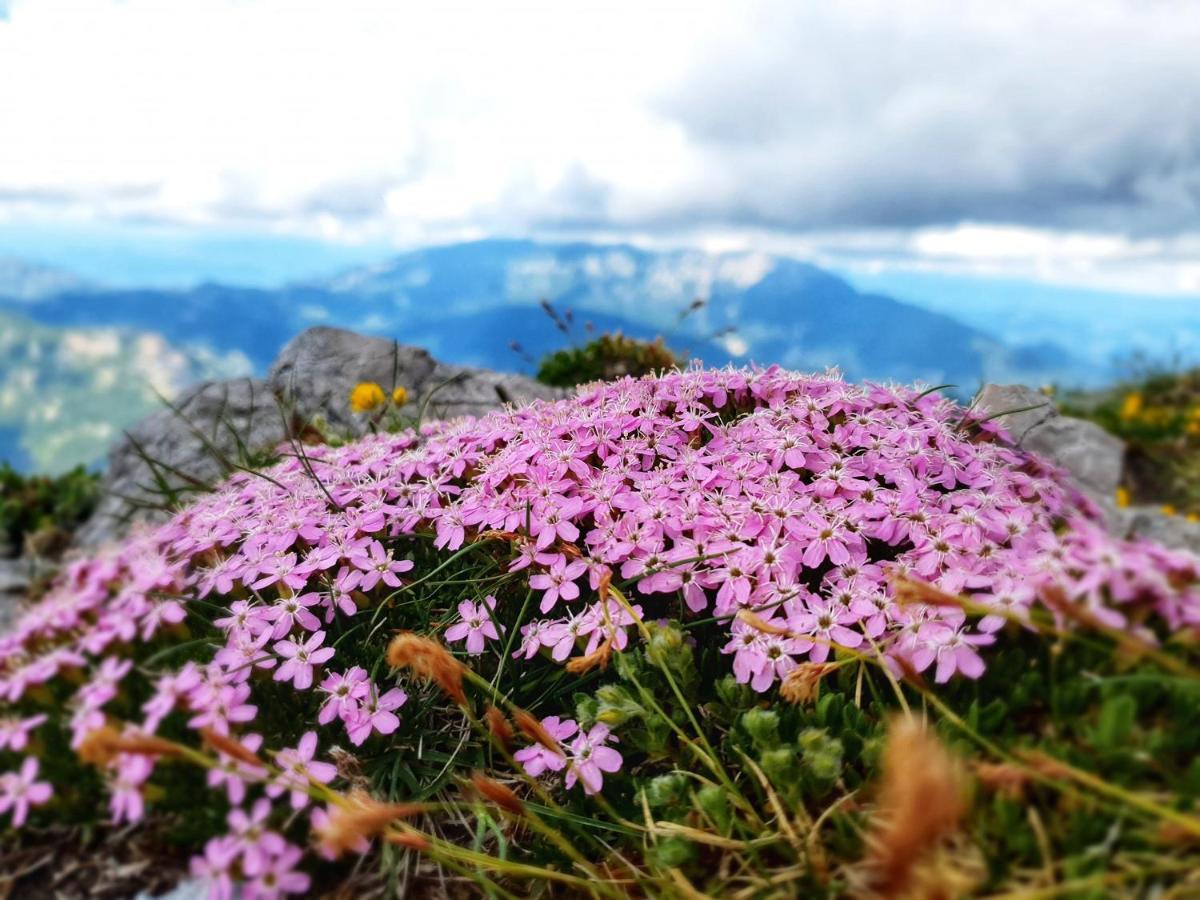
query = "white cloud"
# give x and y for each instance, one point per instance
(1057, 140)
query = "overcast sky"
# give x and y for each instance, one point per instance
(1049, 140)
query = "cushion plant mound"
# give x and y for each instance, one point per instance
(663, 543)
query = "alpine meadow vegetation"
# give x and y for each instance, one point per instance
(738, 632)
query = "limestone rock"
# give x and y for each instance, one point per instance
(14, 583)
(183, 449)
(317, 370)
(312, 377)
(1023, 408)
(1170, 531)
(1093, 456)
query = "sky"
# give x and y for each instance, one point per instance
(1041, 141)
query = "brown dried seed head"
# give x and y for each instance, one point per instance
(494, 791)
(533, 729)
(428, 659)
(598, 658)
(802, 685)
(499, 727)
(360, 818)
(921, 801)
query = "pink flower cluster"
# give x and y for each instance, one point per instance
(585, 756)
(702, 493)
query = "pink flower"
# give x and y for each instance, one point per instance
(278, 877)
(168, 691)
(300, 660)
(236, 774)
(590, 759)
(344, 692)
(538, 759)
(477, 626)
(126, 802)
(375, 714)
(377, 565)
(20, 790)
(14, 732)
(288, 612)
(215, 867)
(951, 648)
(253, 841)
(558, 583)
(298, 769)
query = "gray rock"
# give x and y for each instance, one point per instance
(1095, 459)
(182, 449)
(15, 578)
(315, 373)
(188, 889)
(1023, 407)
(317, 370)
(1175, 532)
(312, 377)
(1093, 456)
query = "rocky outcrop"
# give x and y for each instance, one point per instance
(180, 450)
(14, 583)
(316, 371)
(1089, 453)
(217, 426)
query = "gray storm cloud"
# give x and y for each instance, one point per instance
(897, 116)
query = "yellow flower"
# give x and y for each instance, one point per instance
(1193, 517)
(1131, 406)
(1167, 509)
(1122, 497)
(366, 396)
(400, 396)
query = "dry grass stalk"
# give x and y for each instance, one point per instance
(492, 790)
(359, 819)
(758, 623)
(910, 590)
(229, 747)
(412, 840)
(499, 727)
(102, 745)
(1002, 778)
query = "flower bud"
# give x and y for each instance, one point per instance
(763, 727)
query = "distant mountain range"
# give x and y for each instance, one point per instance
(468, 303)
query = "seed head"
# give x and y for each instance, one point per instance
(429, 660)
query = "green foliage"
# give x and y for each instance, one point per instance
(605, 358)
(729, 790)
(1158, 416)
(31, 504)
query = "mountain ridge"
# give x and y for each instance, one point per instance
(468, 303)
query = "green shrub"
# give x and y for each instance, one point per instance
(605, 358)
(32, 504)
(1158, 417)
